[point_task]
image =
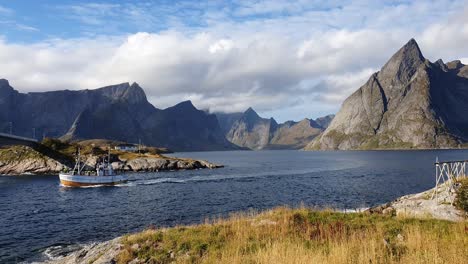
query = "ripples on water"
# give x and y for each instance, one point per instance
(39, 218)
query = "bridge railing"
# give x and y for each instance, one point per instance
(448, 173)
(18, 137)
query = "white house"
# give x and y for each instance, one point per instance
(127, 147)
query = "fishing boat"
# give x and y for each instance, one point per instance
(104, 175)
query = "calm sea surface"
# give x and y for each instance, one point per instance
(38, 218)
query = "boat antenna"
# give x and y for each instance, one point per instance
(78, 161)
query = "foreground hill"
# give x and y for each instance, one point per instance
(250, 130)
(117, 112)
(410, 103)
(288, 236)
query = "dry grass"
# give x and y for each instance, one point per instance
(100, 147)
(302, 235)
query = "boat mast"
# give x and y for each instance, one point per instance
(78, 161)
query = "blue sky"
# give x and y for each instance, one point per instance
(287, 59)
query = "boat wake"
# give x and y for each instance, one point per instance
(226, 177)
(150, 182)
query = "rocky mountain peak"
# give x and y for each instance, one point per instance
(135, 94)
(250, 116)
(4, 83)
(402, 65)
(251, 112)
(273, 122)
(455, 65)
(5, 88)
(441, 65)
(289, 123)
(183, 107)
(132, 94)
(410, 103)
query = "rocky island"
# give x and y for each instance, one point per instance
(53, 156)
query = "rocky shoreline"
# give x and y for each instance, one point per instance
(20, 160)
(421, 205)
(418, 205)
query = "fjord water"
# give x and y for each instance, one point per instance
(37, 214)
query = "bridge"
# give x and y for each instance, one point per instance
(9, 140)
(448, 173)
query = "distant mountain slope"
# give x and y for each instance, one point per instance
(183, 127)
(410, 103)
(118, 112)
(52, 113)
(294, 135)
(324, 121)
(250, 130)
(226, 120)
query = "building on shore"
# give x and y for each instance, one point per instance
(127, 147)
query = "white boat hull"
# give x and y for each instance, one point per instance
(82, 180)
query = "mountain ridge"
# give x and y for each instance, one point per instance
(249, 130)
(118, 112)
(410, 103)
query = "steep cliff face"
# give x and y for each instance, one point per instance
(118, 112)
(227, 120)
(52, 113)
(254, 132)
(409, 103)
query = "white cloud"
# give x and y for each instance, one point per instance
(284, 66)
(221, 45)
(6, 11)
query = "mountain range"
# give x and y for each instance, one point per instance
(250, 130)
(122, 112)
(410, 103)
(119, 112)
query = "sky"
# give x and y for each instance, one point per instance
(286, 59)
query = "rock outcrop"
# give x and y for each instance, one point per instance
(97, 253)
(254, 132)
(410, 103)
(162, 164)
(422, 205)
(18, 160)
(26, 160)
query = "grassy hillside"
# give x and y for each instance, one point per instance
(94, 146)
(302, 235)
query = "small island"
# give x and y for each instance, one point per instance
(53, 156)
